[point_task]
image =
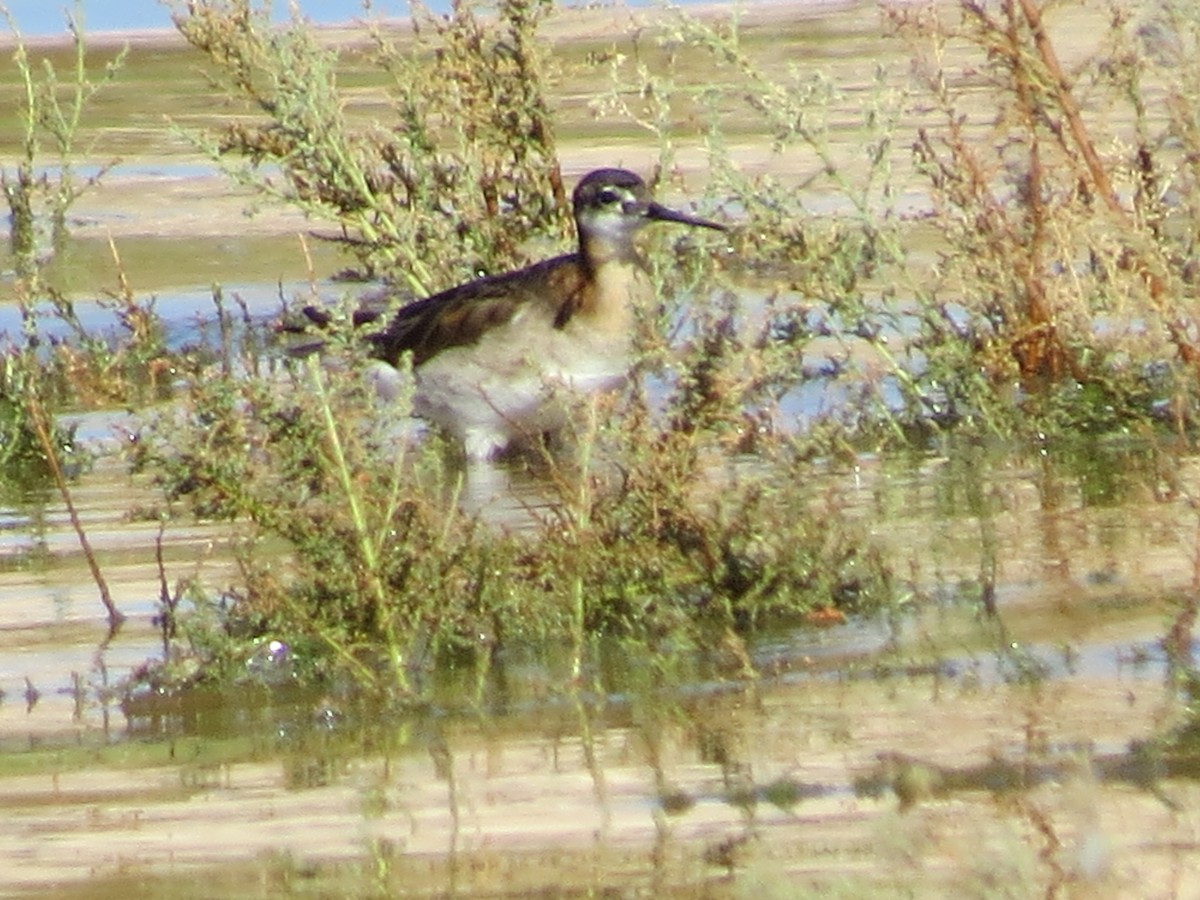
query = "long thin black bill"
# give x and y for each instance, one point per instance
(663, 214)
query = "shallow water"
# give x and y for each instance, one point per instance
(931, 751)
(934, 734)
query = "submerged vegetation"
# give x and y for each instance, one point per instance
(933, 274)
(985, 256)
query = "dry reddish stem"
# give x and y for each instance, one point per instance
(1177, 328)
(1070, 109)
(41, 426)
(1038, 351)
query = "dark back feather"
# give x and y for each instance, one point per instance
(461, 315)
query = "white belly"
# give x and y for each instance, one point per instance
(517, 383)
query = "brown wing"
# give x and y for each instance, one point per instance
(463, 314)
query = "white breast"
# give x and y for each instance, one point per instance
(521, 378)
(517, 384)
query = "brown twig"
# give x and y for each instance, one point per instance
(1156, 282)
(1070, 109)
(1039, 350)
(37, 414)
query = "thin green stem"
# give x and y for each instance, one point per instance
(368, 547)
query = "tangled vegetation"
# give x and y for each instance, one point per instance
(468, 138)
(1041, 285)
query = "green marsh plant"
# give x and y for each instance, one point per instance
(1003, 243)
(354, 547)
(356, 551)
(799, 296)
(51, 111)
(459, 176)
(682, 519)
(1061, 193)
(83, 369)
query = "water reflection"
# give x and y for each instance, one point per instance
(932, 707)
(1024, 651)
(1063, 561)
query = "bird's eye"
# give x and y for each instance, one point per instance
(609, 195)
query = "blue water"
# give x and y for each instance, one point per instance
(47, 17)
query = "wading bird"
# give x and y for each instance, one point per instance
(494, 359)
